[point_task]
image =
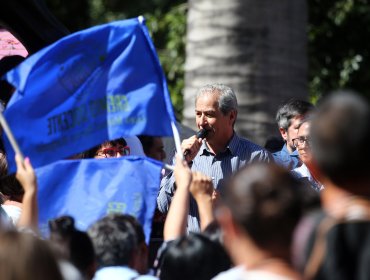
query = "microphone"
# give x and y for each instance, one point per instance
(201, 134)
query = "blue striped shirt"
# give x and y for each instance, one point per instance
(219, 167)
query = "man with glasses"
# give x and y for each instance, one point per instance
(308, 170)
(288, 118)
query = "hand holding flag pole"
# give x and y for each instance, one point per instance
(9, 134)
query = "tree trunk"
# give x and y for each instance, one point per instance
(258, 47)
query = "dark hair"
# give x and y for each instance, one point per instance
(9, 185)
(114, 241)
(147, 142)
(263, 198)
(72, 244)
(214, 232)
(6, 64)
(293, 108)
(193, 257)
(25, 257)
(121, 218)
(92, 152)
(340, 133)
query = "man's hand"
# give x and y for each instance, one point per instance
(192, 145)
(201, 186)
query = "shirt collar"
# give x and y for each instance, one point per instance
(232, 146)
(285, 150)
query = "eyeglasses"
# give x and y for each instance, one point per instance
(113, 151)
(300, 140)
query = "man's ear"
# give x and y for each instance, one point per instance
(283, 133)
(232, 116)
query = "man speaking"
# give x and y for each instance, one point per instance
(219, 153)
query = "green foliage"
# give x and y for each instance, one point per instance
(168, 31)
(338, 46)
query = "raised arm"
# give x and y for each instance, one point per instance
(27, 178)
(203, 192)
(175, 224)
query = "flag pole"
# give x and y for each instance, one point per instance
(9, 134)
(176, 136)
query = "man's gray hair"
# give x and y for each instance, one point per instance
(227, 101)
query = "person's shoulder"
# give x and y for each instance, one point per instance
(246, 143)
(234, 273)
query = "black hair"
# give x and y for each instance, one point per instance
(147, 142)
(71, 244)
(193, 257)
(114, 240)
(9, 185)
(262, 198)
(293, 108)
(6, 64)
(91, 153)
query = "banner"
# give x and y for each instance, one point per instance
(90, 189)
(94, 85)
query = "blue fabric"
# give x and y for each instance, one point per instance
(286, 159)
(95, 85)
(220, 167)
(89, 189)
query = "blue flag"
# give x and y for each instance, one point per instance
(90, 189)
(95, 85)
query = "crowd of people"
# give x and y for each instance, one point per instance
(231, 209)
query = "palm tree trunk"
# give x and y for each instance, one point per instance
(258, 47)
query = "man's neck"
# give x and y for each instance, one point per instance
(290, 149)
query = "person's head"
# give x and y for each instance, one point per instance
(153, 147)
(216, 109)
(25, 257)
(262, 204)
(140, 259)
(109, 149)
(288, 118)
(340, 136)
(302, 141)
(193, 257)
(73, 245)
(115, 241)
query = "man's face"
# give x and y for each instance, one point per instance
(157, 150)
(303, 148)
(291, 133)
(209, 117)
